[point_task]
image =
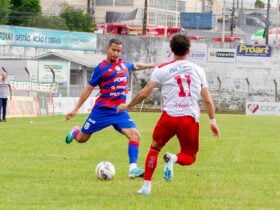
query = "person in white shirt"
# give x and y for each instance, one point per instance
(182, 85)
(5, 87)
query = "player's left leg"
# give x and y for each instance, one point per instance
(125, 125)
(188, 135)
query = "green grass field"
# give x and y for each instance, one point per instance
(241, 170)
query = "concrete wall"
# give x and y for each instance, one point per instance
(231, 83)
(237, 84)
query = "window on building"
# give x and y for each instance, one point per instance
(104, 2)
(152, 18)
(75, 77)
(124, 2)
(207, 6)
(181, 6)
(152, 3)
(171, 5)
(171, 20)
(161, 18)
(161, 4)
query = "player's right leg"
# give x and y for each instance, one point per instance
(76, 134)
(165, 129)
(93, 123)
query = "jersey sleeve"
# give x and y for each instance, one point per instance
(155, 76)
(130, 66)
(95, 76)
(204, 83)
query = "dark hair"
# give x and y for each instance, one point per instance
(180, 44)
(114, 41)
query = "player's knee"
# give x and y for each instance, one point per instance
(156, 146)
(185, 159)
(135, 136)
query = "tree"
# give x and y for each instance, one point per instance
(259, 4)
(51, 22)
(23, 11)
(5, 11)
(77, 19)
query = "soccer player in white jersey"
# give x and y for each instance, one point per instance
(182, 85)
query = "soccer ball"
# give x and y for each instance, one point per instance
(105, 170)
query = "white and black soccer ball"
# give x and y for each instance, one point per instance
(105, 170)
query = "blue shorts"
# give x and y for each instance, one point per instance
(101, 118)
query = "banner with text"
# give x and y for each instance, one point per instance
(262, 108)
(34, 86)
(60, 69)
(221, 55)
(46, 38)
(253, 56)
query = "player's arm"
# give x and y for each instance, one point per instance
(210, 109)
(143, 66)
(83, 97)
(141, 95)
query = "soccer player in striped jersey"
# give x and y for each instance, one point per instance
(111, 76)
(182, 85)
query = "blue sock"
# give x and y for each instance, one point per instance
(133, 150)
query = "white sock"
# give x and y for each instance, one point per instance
(132, 166)
(174, 158)
(147, 184)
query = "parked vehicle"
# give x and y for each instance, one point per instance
(253, 21)
(123, 29)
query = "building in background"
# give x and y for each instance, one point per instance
(160, 12)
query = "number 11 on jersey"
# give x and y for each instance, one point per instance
(184, 83)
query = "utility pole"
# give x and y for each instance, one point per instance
(145, 17)
(89, 7)
(278, 21)
(232, 24)
(93, 10)
(224, 21)
(267, 22)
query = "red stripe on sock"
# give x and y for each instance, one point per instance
(133, 142)
(76, 133)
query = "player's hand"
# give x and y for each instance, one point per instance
(215, 130)
(121, 107)
(70, 115)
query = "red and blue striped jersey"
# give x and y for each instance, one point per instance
(112, 79)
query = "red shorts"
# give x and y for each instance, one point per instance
(185, 128)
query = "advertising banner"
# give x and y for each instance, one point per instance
(60, 68)
(198, 53)
(46, 38)
(22, 106)
(34, 86)
(252, 50)
(262, 108)
(221, 55)
(249, 56)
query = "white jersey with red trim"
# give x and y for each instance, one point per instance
(181, 82)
